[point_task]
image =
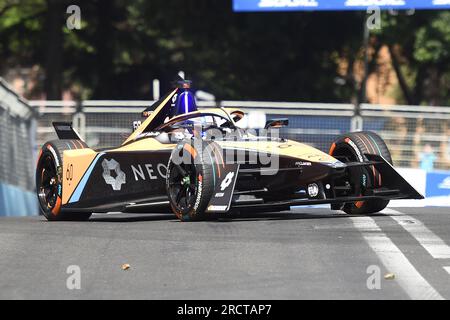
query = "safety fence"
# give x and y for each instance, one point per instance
(17, 144)
(418, 136)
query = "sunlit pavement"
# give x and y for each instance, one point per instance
(305, 254)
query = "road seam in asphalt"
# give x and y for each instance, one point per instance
(411, 281)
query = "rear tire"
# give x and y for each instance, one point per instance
(190, 179)
(49, 180)
(354, 146)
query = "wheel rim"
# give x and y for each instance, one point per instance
(48, 185)
(182, 186)
(345, 150)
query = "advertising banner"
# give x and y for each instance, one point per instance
(336, 5)
(438, 184)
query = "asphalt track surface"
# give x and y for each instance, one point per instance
(306, 254)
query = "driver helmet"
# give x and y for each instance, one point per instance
(185, 103)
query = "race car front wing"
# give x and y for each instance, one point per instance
(394, 187)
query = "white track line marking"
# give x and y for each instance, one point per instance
(435, 246)
(447, 269)
(395, 261)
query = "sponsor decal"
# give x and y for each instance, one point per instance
(118, 178)
(227, 181)
(69, 173)
(174, 99)
(136, 124)
(330, 5)
(368, 3)
(302, 163)
(217, 208)
(364, 180)
(147, 134)
(353, 145)
(139, 172)
(162, 170)
(49, 147)
(199, 192)
(147, 171)
(287, 3)
(223, 192)
(318, 157)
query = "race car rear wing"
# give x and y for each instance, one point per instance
(65, 131)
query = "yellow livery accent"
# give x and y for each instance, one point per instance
(148, 144)
(75, 164)
(144, 125)
(288, 148)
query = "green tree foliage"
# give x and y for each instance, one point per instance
(420, 48)
(123, 45)
(21, 27)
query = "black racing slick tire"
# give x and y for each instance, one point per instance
(190, 179)
(353, 147)
(49, 180)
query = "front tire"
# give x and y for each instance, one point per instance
(49, 180)
(190, 179)
(352, 147)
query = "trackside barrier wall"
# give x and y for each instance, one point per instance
(434, 185)
(17, 140)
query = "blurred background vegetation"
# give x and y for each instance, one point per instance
(298, 56)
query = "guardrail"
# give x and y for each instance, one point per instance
(411, 132)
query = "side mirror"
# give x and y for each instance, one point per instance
(276, 123)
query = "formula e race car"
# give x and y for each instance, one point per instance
(200, 164)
